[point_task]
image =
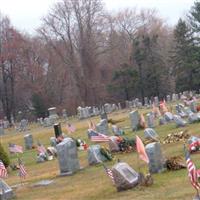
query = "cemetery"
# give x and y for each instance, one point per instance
(99, 100)
(70, 172)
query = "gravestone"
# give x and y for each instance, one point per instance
(53, 141)
(180, 110)
(173, 97)
(28, 139)
(168, 98)
(124, 176)
(40, 121)
(103, 115)
(47, 122)
(6, 124)
(193, 106)
(133, 103)
(150, 133)
(139, 105)
(23, 125)
(53, 117)
(119, 106)
(156, 159)
(94, 155)
(193, 117)
(156, 101)
(64, 114)
(135, 120)
(188, 111)
(117, 131)
(179, 121)
(113, 144)
(80, 112)
(95, 111)
(57, 130)
(108, 108)
(67, 157)
(52, 112)
(162, 121)
(102, 127)
(1, 130)
(168, 116)
(146, 101)
(6, 191)
(150, 120)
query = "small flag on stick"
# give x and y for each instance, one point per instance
(141, 150)
(109, 172)
(22, 169)
(91, 125)
(3, 170)
(70, 128)
(13, 148)
(41, 149)
(192, 172)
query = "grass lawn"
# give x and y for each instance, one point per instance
(91, 183)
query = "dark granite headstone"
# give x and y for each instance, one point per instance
(57, 130)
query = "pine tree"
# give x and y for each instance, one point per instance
(150, 65)
(123, 81)
(184, 58)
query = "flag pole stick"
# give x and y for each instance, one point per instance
(197, 193)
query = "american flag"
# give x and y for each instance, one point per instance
(41, 149)
(70, 128)
(13, 148)
(22, 169)
(109, 172)
(3, 170)
(100, 138)
(192, 172)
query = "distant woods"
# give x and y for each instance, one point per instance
(84, 55)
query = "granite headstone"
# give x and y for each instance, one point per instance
(67, 157)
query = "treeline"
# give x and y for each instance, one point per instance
(84, 55)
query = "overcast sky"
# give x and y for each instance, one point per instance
(26, 14)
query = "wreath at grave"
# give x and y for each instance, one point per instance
(126, 144)
(175, 163)
(106, 153)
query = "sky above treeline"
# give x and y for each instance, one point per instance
(26, 14)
